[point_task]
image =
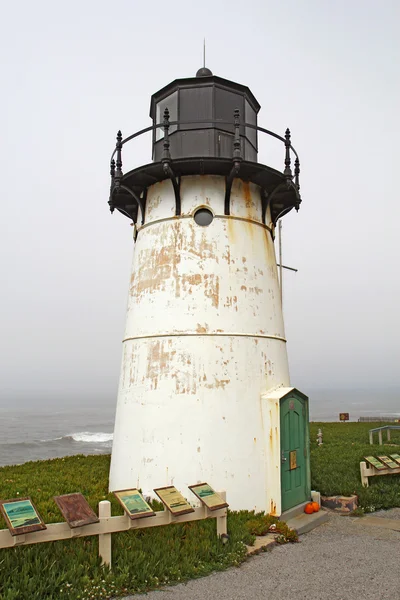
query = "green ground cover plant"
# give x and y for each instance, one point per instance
(335, 466)
(150, 558)
(142, 560)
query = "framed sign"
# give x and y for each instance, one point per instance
(75, 510)
(293, 460)
(134, 504)
(21, 516)
(174, 501)
(208, 496)
(344, 416)
(375, 462)
(396, 457)
(388, 462)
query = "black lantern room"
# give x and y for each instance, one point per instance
(202, 108)
(205, 125)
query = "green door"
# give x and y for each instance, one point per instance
(295, 469)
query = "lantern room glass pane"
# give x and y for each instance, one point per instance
(170, 102)
(250, 117)
(196, 104)
(226, 103)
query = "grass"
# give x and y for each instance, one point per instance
(150, 558)
(142, 560)
(335, 466)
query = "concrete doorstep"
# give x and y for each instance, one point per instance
(297, 519)
(304, 523)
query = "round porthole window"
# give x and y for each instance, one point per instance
(203, 217)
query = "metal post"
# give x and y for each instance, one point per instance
(288, 171)
(237, 154)
(296, 183)
(280, 258)
(105, 538)
(166, 156)
(118, 172)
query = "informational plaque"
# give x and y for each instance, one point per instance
(293, 460)
(75, 510)
(134, 504)
(174, 501)
(396, 457)
(208, 496)
(21, 516)
(375, 462)
(388, 462)
(344, 416)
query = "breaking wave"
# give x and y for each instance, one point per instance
(91, 438)
(80, 442)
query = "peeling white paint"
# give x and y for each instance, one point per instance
(204, 341)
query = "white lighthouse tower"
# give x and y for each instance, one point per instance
(204, 392)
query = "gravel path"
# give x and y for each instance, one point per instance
(340, 560)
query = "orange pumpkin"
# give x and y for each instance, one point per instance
(315, 506)
(309, 509)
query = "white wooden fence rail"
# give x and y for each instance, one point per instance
(109, 525)
(370, 471)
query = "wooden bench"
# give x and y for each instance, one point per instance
(382, 465)
(386, 428)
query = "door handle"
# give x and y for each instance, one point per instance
(283, 458)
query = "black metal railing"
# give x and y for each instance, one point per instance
(116, 165)
(290, 178)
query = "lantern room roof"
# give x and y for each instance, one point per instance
(203, 81)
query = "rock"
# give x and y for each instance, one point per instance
(340, 504)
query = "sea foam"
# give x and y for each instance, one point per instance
(92, 438)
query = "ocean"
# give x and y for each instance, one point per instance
(41, 432)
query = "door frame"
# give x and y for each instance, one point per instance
(271, 417)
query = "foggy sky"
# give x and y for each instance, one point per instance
(73, 73)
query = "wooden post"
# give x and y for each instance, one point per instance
(388, 434)
(222, 522)
(105, 538)
(371, 438)
(19, 540)
(380, 437)
(363, 470)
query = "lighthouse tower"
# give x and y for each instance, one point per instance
(204, 392)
